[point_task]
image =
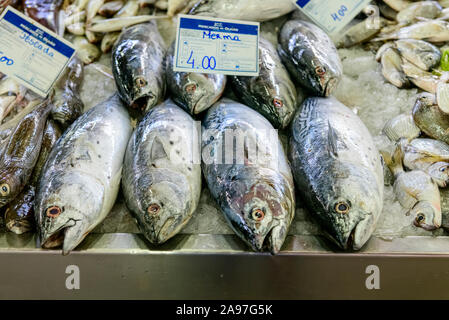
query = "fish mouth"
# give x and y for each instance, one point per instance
(55, 240)
(329, 87)
(19, 226)
(199, 105)
(141, 103)
(265, 242)
(427, 227)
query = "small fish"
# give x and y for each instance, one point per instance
(416, 191)
(162, 172)
(338, 170)
(76, 7)
(392, 69)
(92, 9)
(442, 97)
(425, 150)
(310, 56)
(19, 214)
(398, 5)
(117, 24)
(44, 11)
(110, 8)
(11, 93)
(420, 9)
(360, 32)
(81, 178)
(248, 10)
(194, 92)
(138, 66)
(67, 103)
(21, 152)
(386, 11)
(130, 9)
(401, 127)
(95, 37)
(78, 28)
(428, 30)
(109, 41)
(421, 53)
(255, 192)
(272, 93)
(78, 17)
(420, 78)
(429, 118)
(85, 50)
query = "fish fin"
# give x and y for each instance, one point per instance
(333, 141)
(158, 150)
(394, 163)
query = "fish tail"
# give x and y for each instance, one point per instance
(394, 162)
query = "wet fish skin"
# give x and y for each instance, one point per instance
(338, 170)
(86, 51)
(110, 8)
(162, 172)
(392, 69)
(138, 66)
(272, 93)
(310, 56)
(421, 53)
(44, 11)
(256, 195)
(21, 152)
(427, 30)
(420, 9)
(194, 92)
(249, 10)
(81, 178)
(429, 118)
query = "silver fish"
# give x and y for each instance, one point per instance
(162, 172)
(254, 191)
(310, 56)
(81, 178)
(249, 10)
(194, 92)
(420, 9)
(272, 93)
(338, 170)
(138, 66)
(419, 52)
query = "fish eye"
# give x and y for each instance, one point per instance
(153, 209)
(258, 214)
(53, 212)
(278, 103)
(420, 218)
(5, 189)
(190, 88)
(443, 169)
(342, 207)
(320, 70)
(141, 82)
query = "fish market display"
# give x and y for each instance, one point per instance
(44, 11)
(337, 169)
(194, 92)
(81, 178)
(272, 93)
(138, 66)
(255, 192)
(162, 173)
(11, 93)
(310, 56)
(401, 127)
(19, 214)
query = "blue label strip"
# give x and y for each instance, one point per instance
(302, 3)
(44, 37)
(206, 25)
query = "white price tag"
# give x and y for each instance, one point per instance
(211, 45)
(332, 16)
(30, 53)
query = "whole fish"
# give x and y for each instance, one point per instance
(272, 93)
(424, 150)
(416, 191)
(392, 69)
(67, 104)
(428, 30)
(420, 9)
(430, 119)
(254, 190)
(21, 152)
(421, 53)
(19, 214)
(85, 50)
(338, 170)
(117, 24)
(310, 56)
(424, 80)
(194, 92)
(81, 178)
(44, 11)
(138, 66)
(92, 8)
(162, 172)
(401, 127)
(249, 10)
(361, 32)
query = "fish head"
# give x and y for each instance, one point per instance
(279, 100)
(198, 91)
(10, 185)
(320, 77)
(144, 93)
(426, 216)
(163, 206)
(439, 172)
(262, 212)
(352, 207)
(67, 212)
